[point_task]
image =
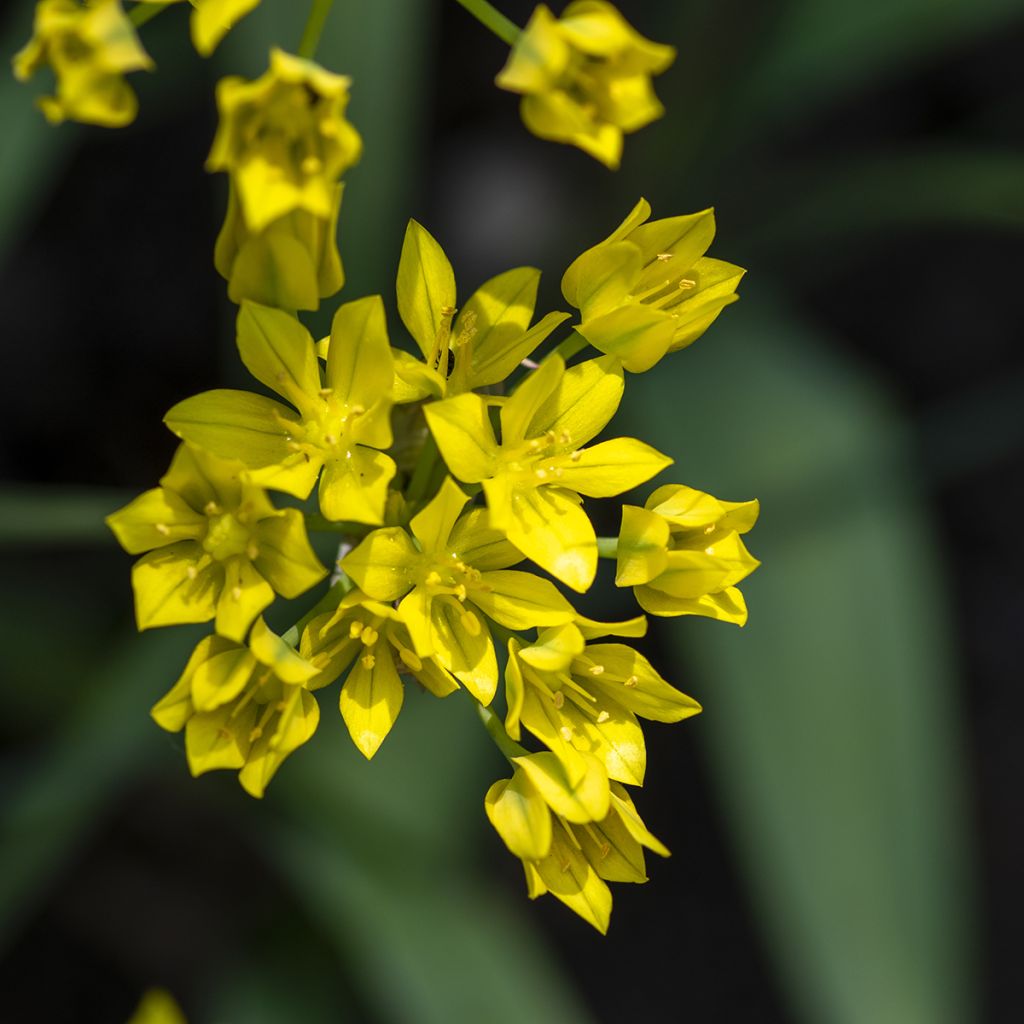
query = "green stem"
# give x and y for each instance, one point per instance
(570, 346)
(490, 17)
(607, 547)
(328, 602)
(314, 27)
(141, 13)
(502, 740)
(424, 470)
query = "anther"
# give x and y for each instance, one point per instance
(575, 457)
(369, 636)
(631, 682)
(191, 572)
(312, 165)
(566, 733)
(326, 392)
(355, 629)
(236, 593)
(596, 670)
(558, 699)
(664, 257)
(602, 717)
(253, 552)
(330, 439)
(163, 529)
(710, 528)
(368, 661)
(211, 508)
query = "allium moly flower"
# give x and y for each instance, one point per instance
(284, 139)
(450, 573)
(534, 477)
(648, 288)
(367, 642)
(682, 553)
(573, 831)
(578, 698)
(90, 46)
(157, 1007)
(245, 707)
(488, 338)
(217, 548)
(342, 418)
(212, 20)
(585, 77)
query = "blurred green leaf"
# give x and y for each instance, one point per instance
(831, 720)
(57, 515)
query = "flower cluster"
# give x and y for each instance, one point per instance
(455, 466)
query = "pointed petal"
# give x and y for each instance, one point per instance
(555, 648)
(222, 676)
(155, 519)
(520, 816)
(295, 475)
(466, 651)
(586, 399)
(382, 564)
(356, 488)
(531, 394)
(426, 287)
(571, 879)
(272, 651)
(642, 549)
(433, 525)
(623, 806)
(371, 700)
(165, 593)
(464, 436)
(269, 751)
(592, 629)
(278, 351)
(727, 605)
(245, 594)
(611, 467)
(571, 280)
(639, 335)
(520, 600)
(514, 689)
(286, 559)
(218, 739)
(580, 800)
(359, 365)
(480, 545)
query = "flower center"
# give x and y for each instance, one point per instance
(225, 535)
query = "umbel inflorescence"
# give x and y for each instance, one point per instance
(455, 465)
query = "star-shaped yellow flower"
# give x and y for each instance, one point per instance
(217, 547)
(342, 417)
(451, 574)
(534, 477)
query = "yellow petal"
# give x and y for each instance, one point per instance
(245, 594)
(175, 585)
(426, 289)
(480, 545)
(606, 276)
(175, 708)
(464, 436)
(359, 364)
(531, 394)
(222, 676)
(272, 651)
(585, 798)
(269, 751)
(639, 335)
(155, 519)
(611, 467)
(625, 809)
(538, 58)
(572, 278)
(467, 654)
(520, 816)
(586, 399)
(727, 605)
(629, 678)
(521, 600)
(433, 525)
(555, 648)
(570, 878)
(551, 529)
(642, 549)
(296, 474)
(286, 559)
(383, 562)
(356, 488)
(592, 629)
(278, 351)
(684, 239)
(218, 739)
(514, 689)
(212, 19)
(414, 380)
(371, 699)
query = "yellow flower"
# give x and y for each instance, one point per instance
(451, 575)
(585, 78)
(682, 553)
(648, 289)
(157, 1007)
(284, 139)
(369, 641)
(488, 339)
(584, 698)
(291, 264)
(217, 547)
(572, 830)
(343, 413)
(242, 707)
(90, 47)
(213, 19)
(534, 478)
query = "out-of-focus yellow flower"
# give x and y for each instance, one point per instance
(342, 419)
(683, 555)
(245, 707)
(572, 830)
(217, 547)
(157, 1007)
(90, 46)
(585, 698)
(212, 20)
(488, 339)
(284, 139)
(585, 78)
(534, 478)
(452, 575)
(369, 641)
(285, 142)
(648, 288)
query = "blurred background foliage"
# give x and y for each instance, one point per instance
(844, 815)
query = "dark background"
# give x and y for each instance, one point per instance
(845, 815)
